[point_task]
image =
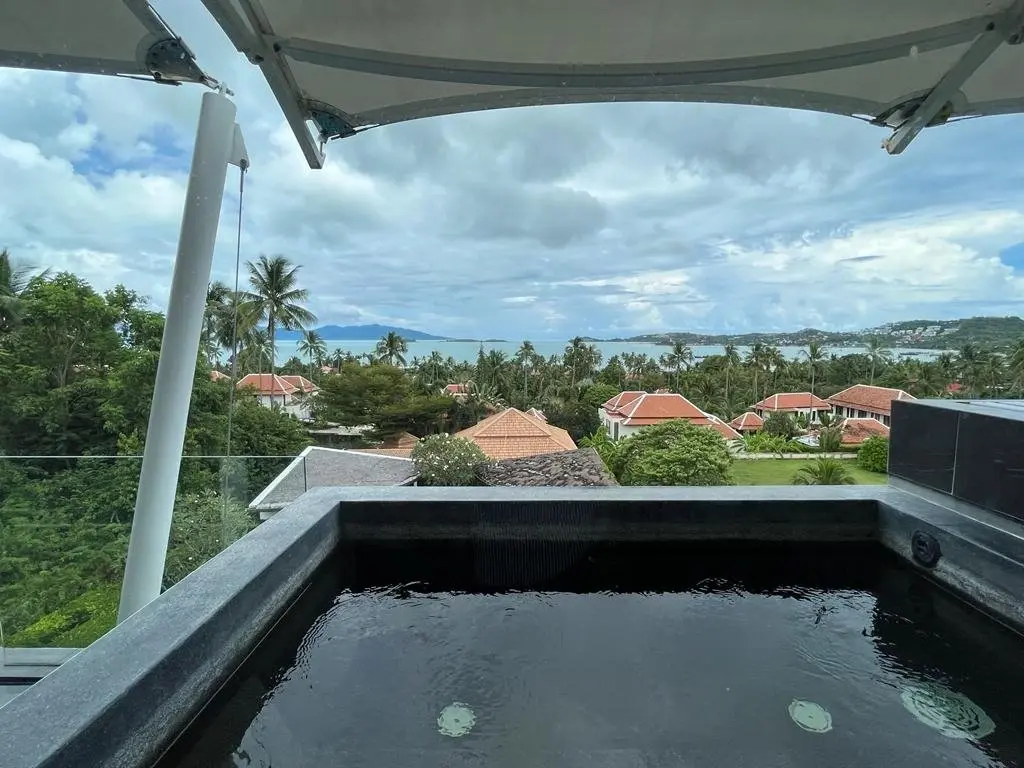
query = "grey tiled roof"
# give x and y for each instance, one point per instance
(325, 467)
(582, 467)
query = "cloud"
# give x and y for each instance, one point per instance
(543, 223)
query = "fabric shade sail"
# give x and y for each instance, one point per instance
(338, 66)
(107, 37)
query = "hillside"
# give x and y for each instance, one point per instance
(360, 333)
(921, 334)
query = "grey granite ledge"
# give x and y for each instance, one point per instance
(122, 701)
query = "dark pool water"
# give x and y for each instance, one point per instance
(615, 655)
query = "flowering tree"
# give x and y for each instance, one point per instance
(447, 460)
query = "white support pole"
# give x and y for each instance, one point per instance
(179, 350)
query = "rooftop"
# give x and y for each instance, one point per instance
(513, 434)
(747, 422)
(318, 467)
(793, 401)
(870, 398)
(582, 467)
(856, 431)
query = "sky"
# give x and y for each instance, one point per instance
(543, 223)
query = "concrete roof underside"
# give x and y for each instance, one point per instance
(346, 65)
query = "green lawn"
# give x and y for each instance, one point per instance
(782, 471)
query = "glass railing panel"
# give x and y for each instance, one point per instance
(65, 524)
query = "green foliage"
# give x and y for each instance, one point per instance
(75, 624)
(874, 454)
(780, 424)
(204, 523)
(830, 439)
(447, 460)
(824, 471)
(674, 453)
(609, 450)
(381, 396)
(762, 442)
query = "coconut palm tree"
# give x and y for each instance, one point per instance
(581, 359)
(255, 349)
(218, 320)
(14, 279)
(392, 348)
(815, 355)
(313, 347)
(732, 360)
(824, 471)
(276, 298)
(970, 363)
(526, 357)
(877, 354)
(678, 359)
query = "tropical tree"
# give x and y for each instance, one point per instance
(447, 460)
(392, 348)
(731, 362)
(877, 354)
(276, 298)
(678, 359)
(824, 471)
(255, 351)
(526, 357)
(14, 280)
(313, 347)
(581, 359)
(674, 453)
(218, 321)
(815, 355)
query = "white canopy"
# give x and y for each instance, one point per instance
(350, 64)
(109, 37)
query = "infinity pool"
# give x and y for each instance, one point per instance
(619, 655)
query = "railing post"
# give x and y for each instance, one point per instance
(179, 350)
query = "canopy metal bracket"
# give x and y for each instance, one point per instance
(329, 123)
(170, 61)
(939, 105)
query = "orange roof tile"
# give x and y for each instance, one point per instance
(512, 434)
(621, 399)
(793, 401)
(262, 382)
(747, 422)
(856, 431)
(301, 383)
(718, 425)
(870, 398)
(218, 376)
(655, 408)
(456, 389)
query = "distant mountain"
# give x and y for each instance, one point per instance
(360, 333)
(927, 334)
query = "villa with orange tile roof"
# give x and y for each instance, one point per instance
(792, 402)
(866, 401)
(456, 390)
(513, 434)
(628, 412)
(280, 391)
(747, 422)
(856, 430)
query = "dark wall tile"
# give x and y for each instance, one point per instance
(922, 444)
(990, 463)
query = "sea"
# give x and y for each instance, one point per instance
(466, 351)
